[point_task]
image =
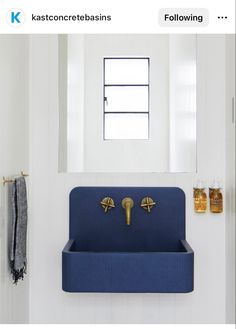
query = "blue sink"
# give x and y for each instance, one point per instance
(103, 254)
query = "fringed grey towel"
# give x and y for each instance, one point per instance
(19, 229)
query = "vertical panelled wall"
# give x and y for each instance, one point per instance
(49, 204)
(13, 159)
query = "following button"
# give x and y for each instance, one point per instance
(184, 17)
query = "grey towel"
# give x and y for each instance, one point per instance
(18, 229)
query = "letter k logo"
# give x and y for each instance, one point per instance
(15, 17)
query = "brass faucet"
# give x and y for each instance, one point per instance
(127, 204)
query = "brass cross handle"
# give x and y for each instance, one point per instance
(107, 203)
(147, 203)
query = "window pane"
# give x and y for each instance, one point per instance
(126, 71)
(126, 126)
(126, 99)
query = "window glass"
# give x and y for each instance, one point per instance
(126, 126)
(126, 71)
(126, 98)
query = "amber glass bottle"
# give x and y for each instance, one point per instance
(200, 200)
(216, 200)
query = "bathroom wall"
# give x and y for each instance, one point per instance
(94, 150)
(13, 159)
(96, 47)
(182, 102)
(49, 192)
(172, 69)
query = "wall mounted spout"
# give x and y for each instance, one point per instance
(127, 204)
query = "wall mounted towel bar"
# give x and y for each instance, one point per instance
(12, 178)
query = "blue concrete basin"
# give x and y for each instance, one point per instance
(103, 254)
(120, 271)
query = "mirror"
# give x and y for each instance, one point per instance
(127, 103)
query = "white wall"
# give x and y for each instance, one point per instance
(130, 155)
(138, 156)
(75, 104)
(49, 203)
(13, 159)
(182, 105)
(62, 90)
(172, 125)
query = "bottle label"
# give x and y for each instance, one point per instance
(216, 202)
(200, 205)
(216, 205)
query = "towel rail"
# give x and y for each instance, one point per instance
(11, 179)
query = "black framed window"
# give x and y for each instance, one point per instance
(126, 97)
